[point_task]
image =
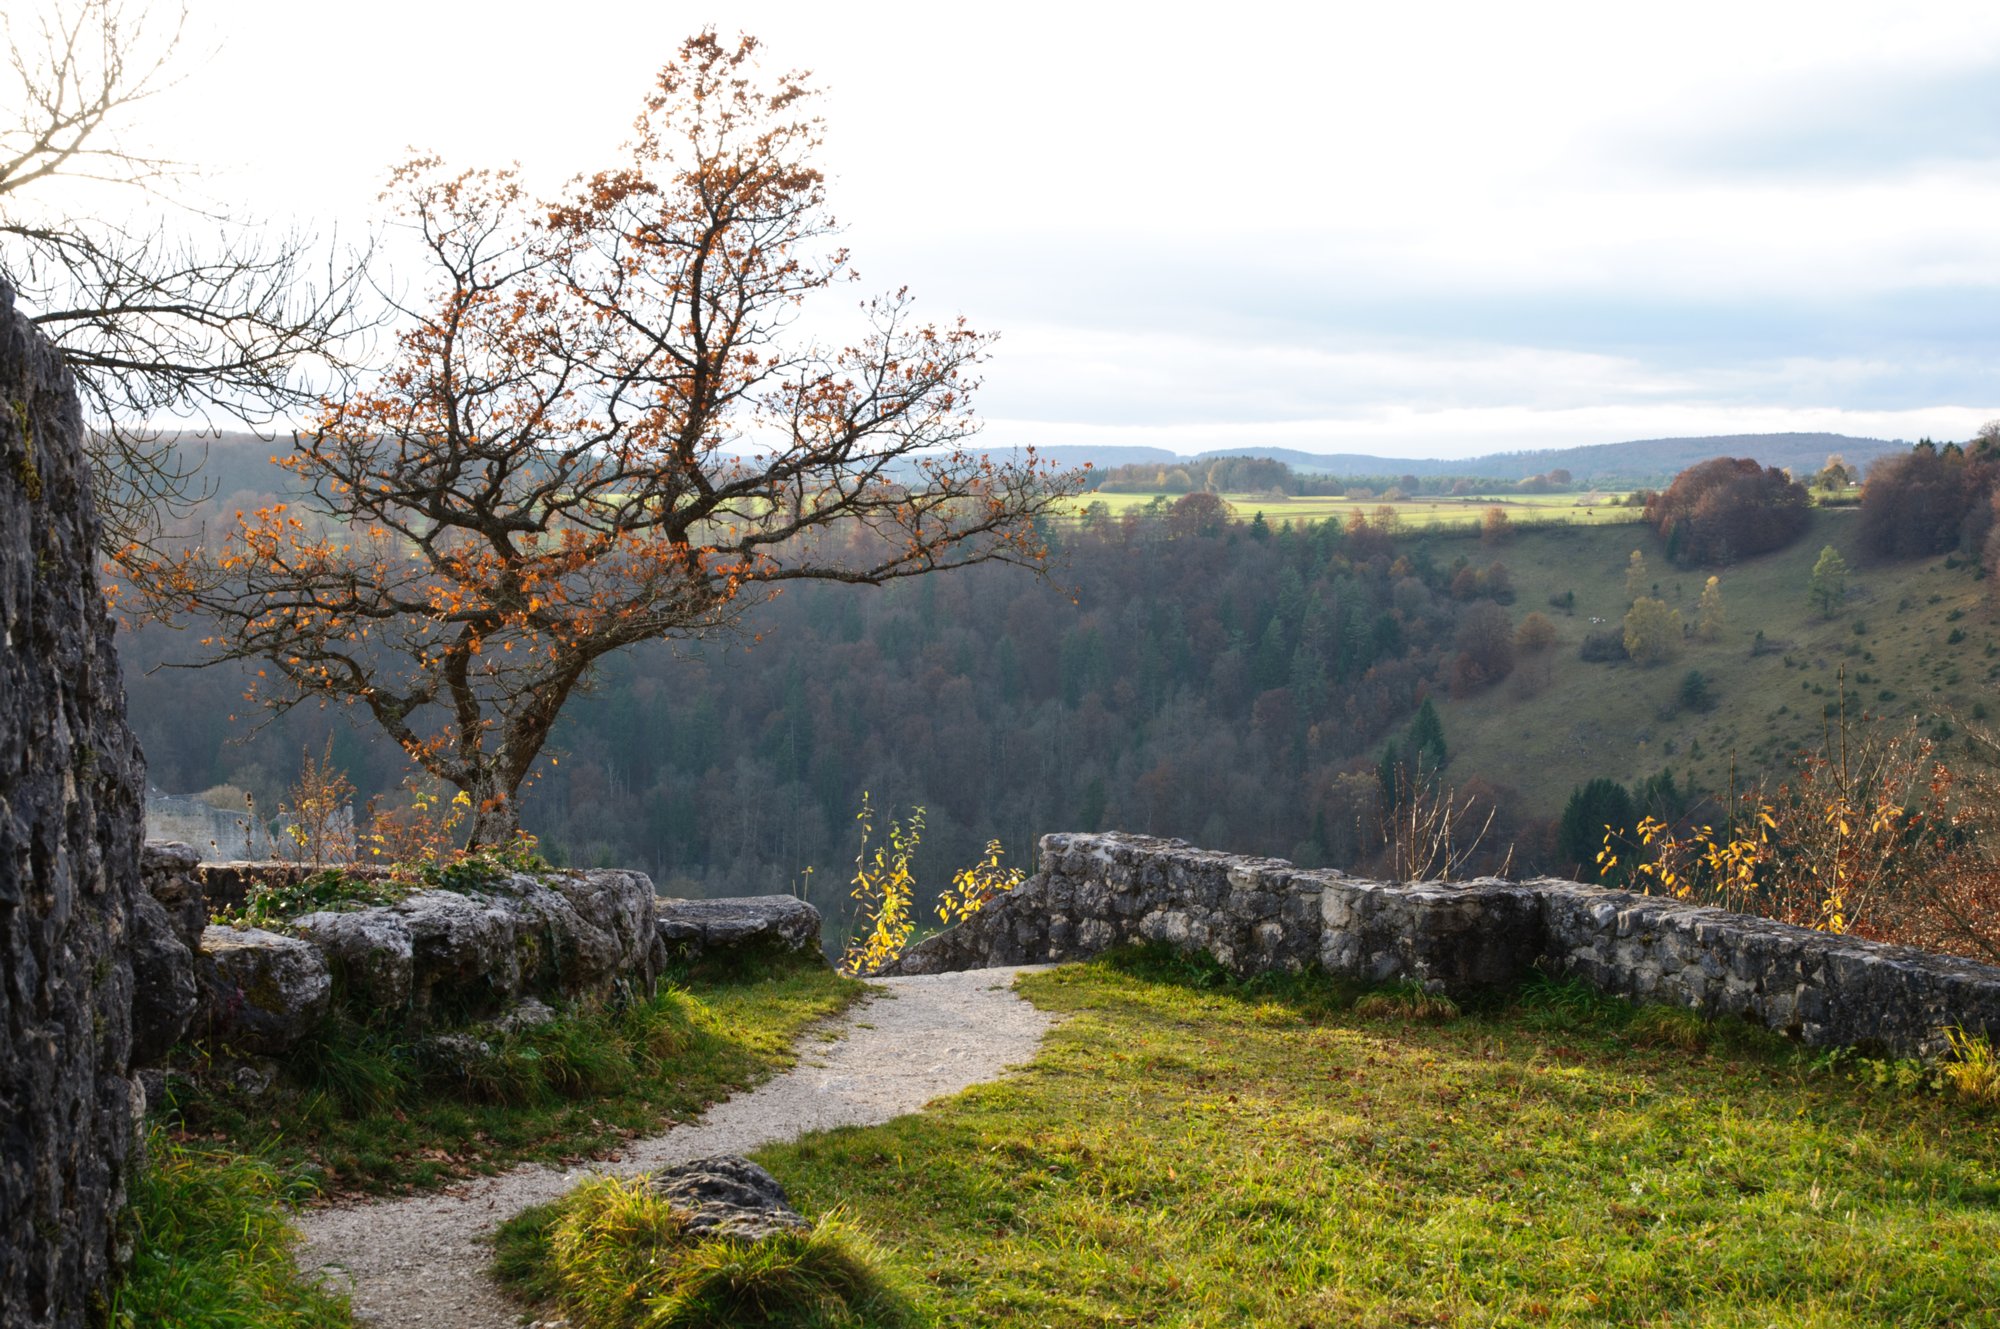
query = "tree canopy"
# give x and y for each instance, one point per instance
(600, 429)
(1725, 508)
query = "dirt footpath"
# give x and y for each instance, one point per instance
(421, 1261)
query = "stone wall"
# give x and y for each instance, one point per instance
(433, 959)
(71, 777)
(1258, 914)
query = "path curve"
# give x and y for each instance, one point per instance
(420, 1260)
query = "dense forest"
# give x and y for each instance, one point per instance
(1180, 674)
(1190, 676)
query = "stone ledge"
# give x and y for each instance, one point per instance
(1095, 891)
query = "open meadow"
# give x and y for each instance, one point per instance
(1463, 511)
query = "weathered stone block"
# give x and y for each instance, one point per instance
(262, 993)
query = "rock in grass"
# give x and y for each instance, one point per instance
(263, 992)
(728, 1196)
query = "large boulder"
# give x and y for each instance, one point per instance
(696, 929)
(71, 781)
(263, 992)
(728, 1196)
(444, 956)
(370, 953)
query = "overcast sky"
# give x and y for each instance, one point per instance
(1415, 229)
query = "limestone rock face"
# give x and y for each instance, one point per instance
(163, 988)
(442, 956)
(690, 929)
(171, 873)
(263, 992)
(370, 951)
(728, 1196)
(71, 780)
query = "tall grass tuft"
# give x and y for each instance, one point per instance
(616, 1256)
(212, 1249)
(1973, 1069)
(1407, 1000)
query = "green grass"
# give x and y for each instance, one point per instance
(1560, 720)
(212, 1249)
(612, 1255)
(1419, 513)
(360, 1110)
(1188, 1151)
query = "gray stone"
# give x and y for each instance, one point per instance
(262, 992)
(71, 786)
(171, 872)
(163, 989)
(1253, 915)
(692, 929)
(371, 956)
(528, 1013)
(728, 1196)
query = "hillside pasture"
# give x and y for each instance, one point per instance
(1911, 640)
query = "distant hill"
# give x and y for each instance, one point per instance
(1651, 461)
(235, 462)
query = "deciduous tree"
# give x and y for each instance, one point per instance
(1711, 618)
(1728, 507)
(598, 431)
(1652, 631)
(1827, 590)
(163, 309)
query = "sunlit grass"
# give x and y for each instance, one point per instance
(1190, 1152)
(212, 1248)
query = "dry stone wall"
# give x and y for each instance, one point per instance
(71, 778)
(1258, 914)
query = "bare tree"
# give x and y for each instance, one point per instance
(169, 323)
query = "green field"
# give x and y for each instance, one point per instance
(1461, 511)
(1186, 1151)
(1561, 720)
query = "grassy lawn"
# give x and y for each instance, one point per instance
(1190, 1152)
(360, 1111)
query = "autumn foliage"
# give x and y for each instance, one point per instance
(598, 429)
(1728, 508)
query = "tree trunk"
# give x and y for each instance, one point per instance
(496, 817)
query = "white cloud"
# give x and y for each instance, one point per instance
(1459, 226)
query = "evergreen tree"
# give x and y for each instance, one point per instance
(1594, 810)
(1426, 739)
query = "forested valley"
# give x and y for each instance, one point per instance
(1188, 676)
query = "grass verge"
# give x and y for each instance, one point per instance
(1191, 1151)
(359, 1110)
(614, 1256)
(212, 1249)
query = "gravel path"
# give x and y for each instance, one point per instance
(420, 1260)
